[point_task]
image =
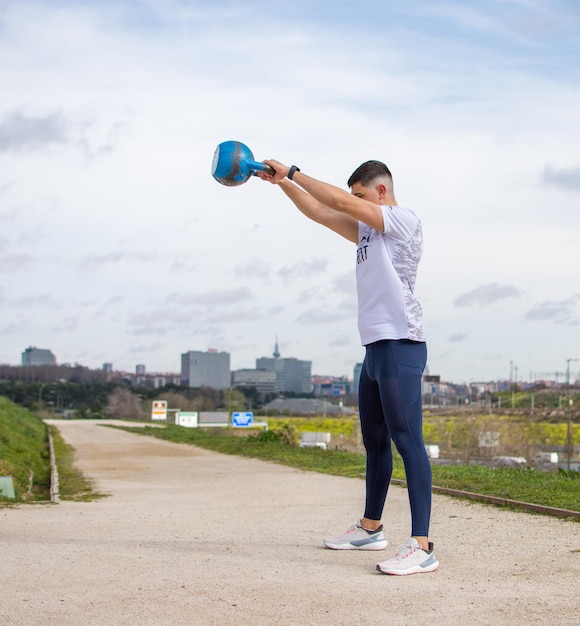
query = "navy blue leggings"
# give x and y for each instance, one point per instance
(390, 409)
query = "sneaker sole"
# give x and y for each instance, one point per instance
(375, 545)
(416, 569)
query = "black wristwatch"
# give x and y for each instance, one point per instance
(292, 171)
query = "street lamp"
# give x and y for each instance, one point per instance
(570, 443)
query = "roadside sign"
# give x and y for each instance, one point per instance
(159, 410)
(187, 419)
(7, 487)
(242, 419)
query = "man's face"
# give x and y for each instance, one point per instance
(375, 193)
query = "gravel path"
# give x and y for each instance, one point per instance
(189, 536)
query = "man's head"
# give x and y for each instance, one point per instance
(373, 181)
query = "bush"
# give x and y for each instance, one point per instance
(287, 435)
(266, 436)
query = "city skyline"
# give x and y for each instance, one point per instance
(515, 375)
(117, 245)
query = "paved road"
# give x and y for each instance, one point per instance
(189, 536)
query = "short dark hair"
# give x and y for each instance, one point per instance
(366, 173)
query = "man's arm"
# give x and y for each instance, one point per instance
(340, 223)
(331, 197)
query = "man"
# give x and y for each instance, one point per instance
(389, 246)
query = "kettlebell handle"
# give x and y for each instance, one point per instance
(262, 167)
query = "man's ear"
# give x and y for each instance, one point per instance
(382, 190)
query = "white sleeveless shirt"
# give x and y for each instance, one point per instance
(385, 273)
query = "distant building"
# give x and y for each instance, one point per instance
(156, 381)
(162, 380)
(140, 370)
(264, 381)
(108, 368)
(356, 377)
(149, 380)
(331, 386)
(36, 356)
(292, 374)
(206, 369)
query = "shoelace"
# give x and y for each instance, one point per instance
(352, 529)
(404, 551)
(356, 527)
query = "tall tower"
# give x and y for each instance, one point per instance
(276, 353)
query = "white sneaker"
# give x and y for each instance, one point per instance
(358, 538)
(410, 559)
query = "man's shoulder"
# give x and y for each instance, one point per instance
(400, 222)
(398, 209)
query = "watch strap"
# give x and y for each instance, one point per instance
(292, 171)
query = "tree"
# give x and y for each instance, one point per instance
(123, 404)
(233, 400)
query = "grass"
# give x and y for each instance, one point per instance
(558, 490)
(25, 456)
(24, 452)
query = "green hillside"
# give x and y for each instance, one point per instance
(24, 453)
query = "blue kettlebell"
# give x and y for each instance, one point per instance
(233, 164)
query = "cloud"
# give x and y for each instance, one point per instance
(486, 295)
(308, 294)
(20, 133)
(9, 216)
(340, 340)
(234, 314)
(41, 301)
(194, 311)
(216, 297)
(458, 337)
(346, 283)
(253, 268)
(522, 20)
(558, 312)
(66, 324)
(23, 133)
(183, 264)
(160, 322)
(323, 316)
(568, 179)
(13, 263)
(95, 262)
(14, 328)
(143, 349)
(303, 269)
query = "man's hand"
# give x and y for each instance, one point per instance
(280, 172)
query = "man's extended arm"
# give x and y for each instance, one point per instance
(340, 223)
(324, 203)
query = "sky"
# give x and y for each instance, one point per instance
(117, 245)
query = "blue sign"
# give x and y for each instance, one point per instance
(242, 419)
